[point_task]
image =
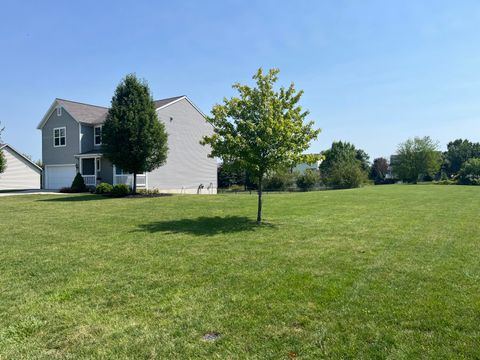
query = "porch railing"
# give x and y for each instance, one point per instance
(128, 180)
(90, 180)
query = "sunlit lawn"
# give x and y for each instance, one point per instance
(379, 272)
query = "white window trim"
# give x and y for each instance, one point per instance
(95, 137)
(59, 142)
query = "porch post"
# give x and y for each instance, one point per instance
(80, 165)
(95, 169)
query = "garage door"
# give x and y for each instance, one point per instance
(57, 177)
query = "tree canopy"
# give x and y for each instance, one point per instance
(379, 169)
(458, 152)
(344, 165)
(416, 158)
(469, 174)
(133, 138)
(261, 129)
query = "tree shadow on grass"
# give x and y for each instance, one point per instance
(67, 198)
(203, 225)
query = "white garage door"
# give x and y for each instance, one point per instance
(57, 177)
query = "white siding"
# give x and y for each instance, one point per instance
(188, 165)
(19, 174)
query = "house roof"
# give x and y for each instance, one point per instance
(2, 146)
(93, 114)
(84, 113)
(163, 102)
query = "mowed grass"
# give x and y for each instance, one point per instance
(378, 272)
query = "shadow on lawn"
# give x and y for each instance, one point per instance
(67, 198)
(203, 225)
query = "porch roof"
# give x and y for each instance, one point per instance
(91, 153)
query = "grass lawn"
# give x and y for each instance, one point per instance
(379, 272)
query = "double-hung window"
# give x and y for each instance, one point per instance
(59, 137)
(97, 132)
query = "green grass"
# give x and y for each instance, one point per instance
(379, 272)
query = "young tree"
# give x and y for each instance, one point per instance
(379, 169)
(133, 138)
(416, 158)
(262, 129)
(3, 161)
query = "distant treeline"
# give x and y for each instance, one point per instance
(345, 166)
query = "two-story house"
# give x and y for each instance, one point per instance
(72, 142)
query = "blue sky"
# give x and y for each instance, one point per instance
(374, 72)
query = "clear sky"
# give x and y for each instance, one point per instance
(374, 72)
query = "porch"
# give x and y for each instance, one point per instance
(90, 168)
(121, 177)
(94, 170)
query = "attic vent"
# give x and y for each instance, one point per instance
(59, 111)
(171, 119)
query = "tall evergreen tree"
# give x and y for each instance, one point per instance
(133, 138)
(261, 130)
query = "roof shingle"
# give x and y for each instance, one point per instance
(93, 114)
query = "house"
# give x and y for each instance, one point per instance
(72, 139)
(303, 167)
(20, 173)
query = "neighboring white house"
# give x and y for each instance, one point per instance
(20, 173)
(302, 167)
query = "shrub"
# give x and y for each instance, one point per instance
(120, 190)
(148, 191)
(279, 180)
(346, 174)
(470, 172)
(66, 190)
(104, 188)
(385, 181)
(308, 180)
(445, 182)
(78, 185)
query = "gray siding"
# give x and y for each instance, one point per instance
(19, 174)
(60, 155)
(106, 172)
(188, 164)
(87, 138)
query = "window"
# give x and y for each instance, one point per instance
(97, 133)
(59, 137)
(59, 111)
(98, 164)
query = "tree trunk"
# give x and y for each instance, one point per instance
(259, 212)
(134, 189)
